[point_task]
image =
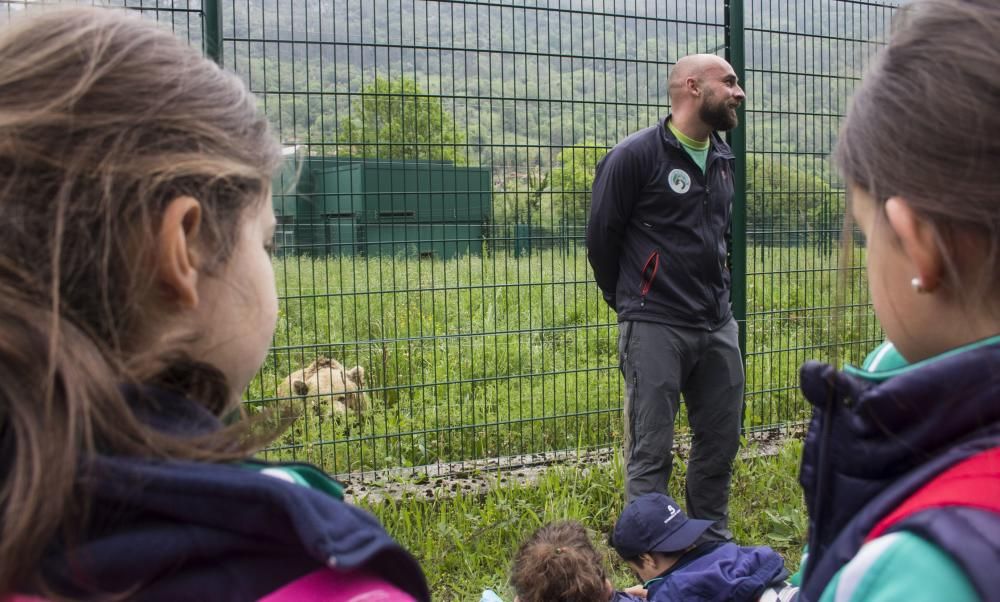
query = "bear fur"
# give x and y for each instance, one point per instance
(326, 381)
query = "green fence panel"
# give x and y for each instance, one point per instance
(486, 337)
(340, 190)
(803, 58)
(432, 211)
(184, 17)
(475, 124)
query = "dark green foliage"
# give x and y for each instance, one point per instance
(396, 119)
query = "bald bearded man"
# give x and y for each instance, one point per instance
(658, 242)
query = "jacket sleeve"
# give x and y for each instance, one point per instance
(617, 182)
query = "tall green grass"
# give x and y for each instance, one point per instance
(492, 355)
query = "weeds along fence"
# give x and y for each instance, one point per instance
(431, 214)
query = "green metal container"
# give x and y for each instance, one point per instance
(341, 189)
(284, 235)
(285, 191)
(294, 188)
(319, 235)
(343, 235)
(336, 205)
(407, 191)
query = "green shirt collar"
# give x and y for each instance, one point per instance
(885, 362)
(688, 141)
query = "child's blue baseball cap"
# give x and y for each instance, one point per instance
(654, 522)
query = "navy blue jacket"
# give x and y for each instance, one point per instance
(198, 531)
(870, 446)
(657, 238)
(719, 571)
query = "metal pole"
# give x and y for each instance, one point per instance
(738, 142)
(213, 29)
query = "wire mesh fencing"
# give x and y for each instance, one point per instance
(444, 153)
(184, 17)
(437, 308)
(448, 150)
(804, 58)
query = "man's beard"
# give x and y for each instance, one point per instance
(718, 116)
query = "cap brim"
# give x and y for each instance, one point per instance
(681, 539)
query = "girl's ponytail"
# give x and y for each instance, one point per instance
(558, 563)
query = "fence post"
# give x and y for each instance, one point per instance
(735, 54)
(213, 29)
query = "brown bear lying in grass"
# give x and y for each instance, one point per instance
(325, 381)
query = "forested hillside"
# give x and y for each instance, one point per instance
(517, 85)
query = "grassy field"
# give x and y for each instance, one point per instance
(494, 355)
(466, 543)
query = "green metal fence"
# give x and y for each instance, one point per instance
(500, 346)
(803, 58)
(431, 214)
(184, 17)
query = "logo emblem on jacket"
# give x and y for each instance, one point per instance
(679, 181)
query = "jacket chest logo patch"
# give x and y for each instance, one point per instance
(679, 181)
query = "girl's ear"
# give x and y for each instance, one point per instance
(918, 241)
(177, 262)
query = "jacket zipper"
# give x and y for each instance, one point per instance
(648, 274)
(819, 492)
(706, 182)
(705, 215)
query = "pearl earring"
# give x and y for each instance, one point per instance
(918, 285)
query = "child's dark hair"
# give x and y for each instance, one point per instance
(558, 563)
(924, 125)
(104, 119)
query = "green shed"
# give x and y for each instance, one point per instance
(339, 205)
(299, 188)
(321, 235)
(409, 191)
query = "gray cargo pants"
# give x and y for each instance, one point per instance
(660, 363)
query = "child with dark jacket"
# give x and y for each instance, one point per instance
(662, 547)
(900, 464)
(137, 302)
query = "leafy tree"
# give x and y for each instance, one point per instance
(788, 202)
(569, 182)
(395, 119)
(520, 201)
